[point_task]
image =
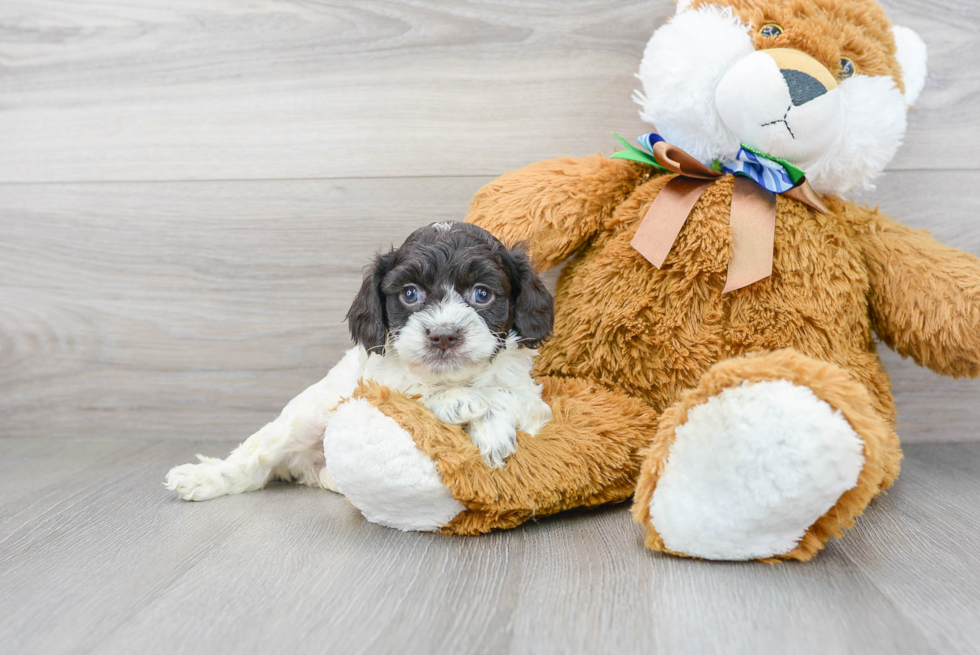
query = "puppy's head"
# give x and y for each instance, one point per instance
(447, 299)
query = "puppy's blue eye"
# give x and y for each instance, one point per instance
(411, 295)
(846, 69)
(481, 295)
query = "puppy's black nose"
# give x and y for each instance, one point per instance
(443, 337)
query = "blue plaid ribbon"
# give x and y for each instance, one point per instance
(763, 171)
(647, 140)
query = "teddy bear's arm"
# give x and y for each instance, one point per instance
(555, 206)
(925, 298)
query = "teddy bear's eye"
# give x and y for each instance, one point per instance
(771, 30)
(846, 68)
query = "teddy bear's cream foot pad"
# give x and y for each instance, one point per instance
(376, 464)
(751, 469)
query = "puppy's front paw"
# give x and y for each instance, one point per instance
(495, 437)
(202, 481)
(457, 406)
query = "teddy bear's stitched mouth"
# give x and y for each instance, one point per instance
(783, 121)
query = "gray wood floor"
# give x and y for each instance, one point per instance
(188, 192)
(96, 557)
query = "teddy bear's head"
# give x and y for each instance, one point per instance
(823, 84)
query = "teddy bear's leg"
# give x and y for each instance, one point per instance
(769, 457)
(402, 467)
(375, 462)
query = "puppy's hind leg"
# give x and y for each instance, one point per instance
(248, 468)
(289, 448)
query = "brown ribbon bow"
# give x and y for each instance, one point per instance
(752, 219)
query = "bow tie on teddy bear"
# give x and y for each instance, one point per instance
(753, 214)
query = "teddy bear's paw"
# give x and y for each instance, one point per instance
(751, 469)
(375, 463)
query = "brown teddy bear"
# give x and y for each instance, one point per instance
(714, 341)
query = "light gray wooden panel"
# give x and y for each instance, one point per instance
(154, 310)
(196, 310)
(102, 559)
(942, 202)
(178, 89)
(932, 408)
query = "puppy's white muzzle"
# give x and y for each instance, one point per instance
(782, 102)
(474, 343)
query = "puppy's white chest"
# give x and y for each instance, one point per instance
(492, 403)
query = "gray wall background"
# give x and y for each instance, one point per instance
(188, 190)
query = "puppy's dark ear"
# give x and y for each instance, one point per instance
(534, 308)
(366, 317)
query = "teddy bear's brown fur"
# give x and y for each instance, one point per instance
(635, 348)
(588, 455)
(826, 30)
(653, 334)
(626, 332)
(836, 279)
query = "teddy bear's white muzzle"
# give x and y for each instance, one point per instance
(783, 103)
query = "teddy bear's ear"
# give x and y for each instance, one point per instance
(910, 50)
(682, 5)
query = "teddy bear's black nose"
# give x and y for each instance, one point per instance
(802, 87)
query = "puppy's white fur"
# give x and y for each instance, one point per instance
(477, 343)
(494, 397)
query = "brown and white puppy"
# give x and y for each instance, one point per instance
(453, 316)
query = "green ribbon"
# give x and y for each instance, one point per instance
(633, 153)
